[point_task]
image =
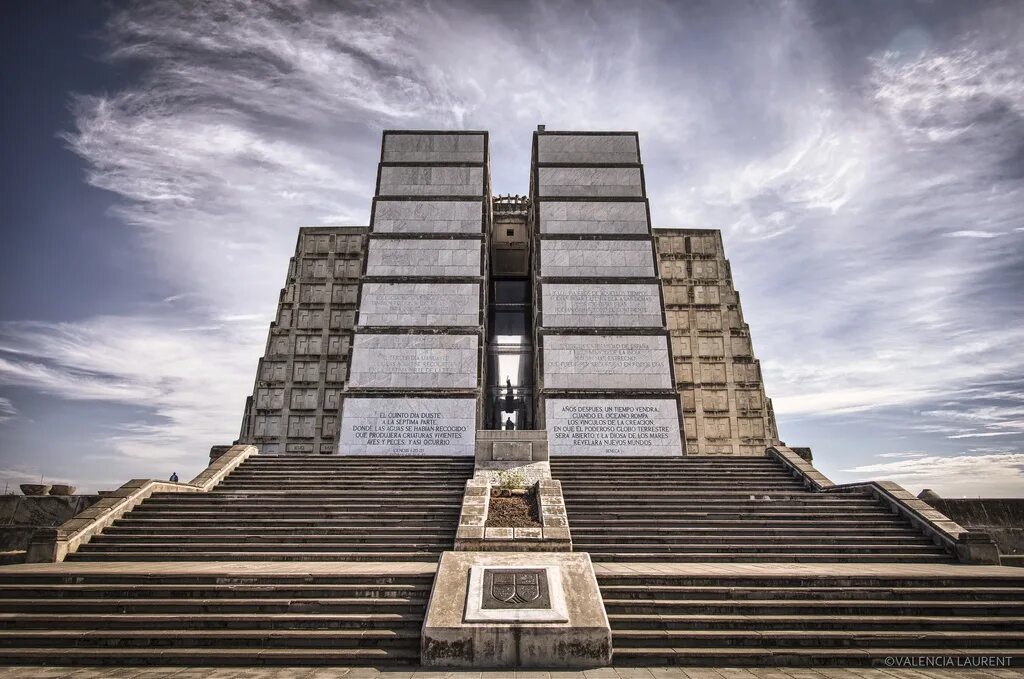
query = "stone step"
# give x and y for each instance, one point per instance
(257, 538)
(893, 620)
(420, 592)
(173, 530)
(768, 556)
(242, 657)
(727, 541)
(212, 639)
(235, 518)
(212, 620)
(816, 638)
(132, 555)
(623, 594)
(796, 656)
(214, 522)
(586, 545)
(815, 606)
(336, 545)
(190, 606)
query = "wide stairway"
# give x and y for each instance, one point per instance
(290, 560)
(288, 508)
(822, 618)
(730, 561)
(737, 509)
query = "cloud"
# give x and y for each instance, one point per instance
(995, 475)
(7, 409)
(189, 382)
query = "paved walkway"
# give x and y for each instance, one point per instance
(603, 673)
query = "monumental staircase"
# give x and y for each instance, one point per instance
(733, 561)
(347, 549)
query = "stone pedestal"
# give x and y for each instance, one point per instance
(508, 609)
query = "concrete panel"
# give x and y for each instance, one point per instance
(518, 635)
(587, 148)
(423, 361)
(606, 362)
(593, 217)
(420, 304)
(408, 426)
(409, 257)
(599, 258)
(428, 216)
(431, 181)
(590, 181)
(595, 305)
(433, 148)
(613, 427)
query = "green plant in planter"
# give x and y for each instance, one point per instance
(509, 481)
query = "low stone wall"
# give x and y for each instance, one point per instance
(474, 534)
(1002, 518)
(22, 515)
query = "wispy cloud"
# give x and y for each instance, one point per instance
(993, 474)
(191, 382)
(7, 409)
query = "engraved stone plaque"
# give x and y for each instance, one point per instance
(428, 216)
(613, 427)
(595, 305)
(417, 361)
(593, 217)
(515, 588)
(599, 258)
(412, 257)
(606, 362)
(420, 304)
(408, 426)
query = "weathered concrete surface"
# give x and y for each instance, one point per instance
(449, 641)
(725, 408)
(601, 258)
(21, 516)
(428, 216)
(588, 148)
(593, 217)
(439, 147)
(1002, 518)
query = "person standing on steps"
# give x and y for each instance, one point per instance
(174, 477)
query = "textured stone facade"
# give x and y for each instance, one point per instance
(416, 374)
(725, 408)
(604, 379)
(294, 404)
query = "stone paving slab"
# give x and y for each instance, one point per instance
(807, 569)
(312, 568)
(599, 673)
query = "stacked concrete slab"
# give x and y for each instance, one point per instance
(294, 403)
(414, 384)
(725, 408)
(604, 375)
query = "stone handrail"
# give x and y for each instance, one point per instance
(54, 544)
(968, 546)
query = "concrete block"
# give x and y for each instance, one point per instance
(593, 217)
(588, 148)
(597, 258)
(412, 257)
(609, 305)
(602, 182)
(606, 362)
(419, 304)
(433, 147)
(428, 216)
(417, 361)
(451, 639)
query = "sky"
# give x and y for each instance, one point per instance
(864, 161)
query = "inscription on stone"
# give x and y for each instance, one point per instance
(398, 361)
(613, 427)
(606, 362)
(408, 426)
(611, 305)
(420, 304)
